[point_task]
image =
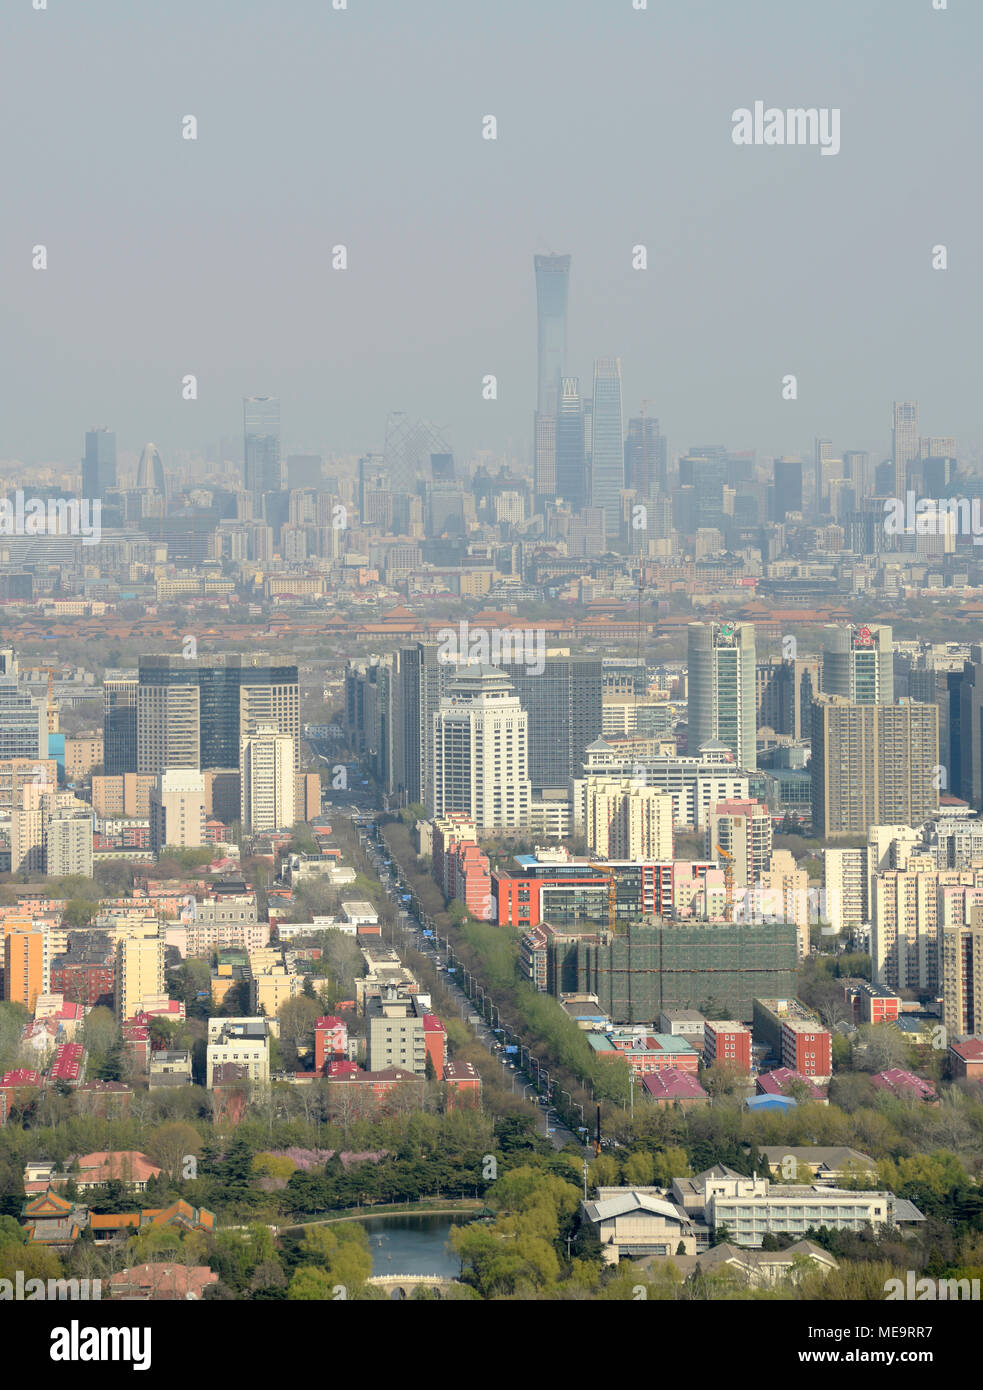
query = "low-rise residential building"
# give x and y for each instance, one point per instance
(905, 1084)
(966, 1060)
(245, 1041)
(165, 1281)
(783, 1081)
(674, 1087)
(873, 1003)
(169, 1069)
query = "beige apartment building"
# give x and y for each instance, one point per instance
(628, 821)
(177, 810)
(125, 795)
(139, 974)
(872, 764)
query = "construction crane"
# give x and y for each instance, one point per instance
(728, 859)
(612, 905)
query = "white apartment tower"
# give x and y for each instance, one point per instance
(267, 764)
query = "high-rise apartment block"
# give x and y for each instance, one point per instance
(872, 764)
(743, 830)
(139, 974)
(627, 821)
(266, 759)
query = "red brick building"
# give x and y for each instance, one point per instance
(966, 1060)
(727, 1041)
(330, 1040)
(807, 1049)
(435, 1041)
(463, 1084)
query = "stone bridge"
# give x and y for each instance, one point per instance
(399, 1286)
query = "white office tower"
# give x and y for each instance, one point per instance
(267, 764)
(481, 754)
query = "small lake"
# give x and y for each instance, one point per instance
(413, 1244)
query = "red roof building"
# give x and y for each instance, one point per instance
(463, 1083)
(904, 1084)
(15, 1087)
(134, 1170)
(777, 1082)
(672, 1086)
(161, 1282)
(68, 1065)
(966, 1059)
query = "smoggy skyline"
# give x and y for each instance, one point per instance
(363, 128)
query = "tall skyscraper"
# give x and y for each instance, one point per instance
(607, 471)
(722, 689)
(571, 459)
(150, 471)
(564, 706)
(23, 722)
(544, 467)
(788, 487)
(905, 443)
(191, 713)
(859, 468)
(261, 431)
(822, 454)
(552, 284)
(120, 722)
(858, 663)
(481, 752)
(967, 736)
(646, 457)
(99, 463)
(872, 764)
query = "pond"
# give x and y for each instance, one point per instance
(413, 1244)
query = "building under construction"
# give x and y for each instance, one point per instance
(718, 968)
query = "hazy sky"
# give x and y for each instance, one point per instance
(363, 127)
